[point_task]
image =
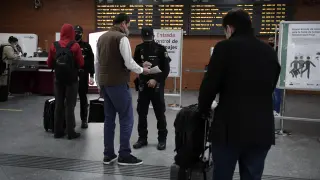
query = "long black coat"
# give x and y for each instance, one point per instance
(244, 71)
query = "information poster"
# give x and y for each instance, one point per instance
(302, 56)
(172, 40)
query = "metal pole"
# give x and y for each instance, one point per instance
(282, 111)
(175, 85)
(180, 89)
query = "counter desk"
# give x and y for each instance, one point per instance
(31, 75)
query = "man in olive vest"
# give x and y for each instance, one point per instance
(114, 61)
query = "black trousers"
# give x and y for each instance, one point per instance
(156, 96)
(251, 161)
(83, 91)
(66, 100)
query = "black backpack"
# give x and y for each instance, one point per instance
(191, 136)
(66, 69)
(2, 63)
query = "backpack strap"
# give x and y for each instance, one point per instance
(57, 45)
(70, 44)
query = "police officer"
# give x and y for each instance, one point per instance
(151, 87)
(84, 75)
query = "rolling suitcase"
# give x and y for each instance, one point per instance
(96, 111)
(48, 115)
(4, 88)
(4, 93)
(197, 173)
(203, 169)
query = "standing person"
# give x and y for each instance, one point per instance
(115, 63)
(84, 75)
(151, 87)
(238, 63)
(8, 52)
(65, 57)
(271, 42)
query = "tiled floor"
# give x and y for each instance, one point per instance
(22, 133)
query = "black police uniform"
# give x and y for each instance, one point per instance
(158, 56)
(84, 75)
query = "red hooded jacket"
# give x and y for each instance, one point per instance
(67, 34)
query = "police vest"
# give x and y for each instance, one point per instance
(150, 54)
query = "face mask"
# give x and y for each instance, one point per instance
(78, 37)
(126, 31)
(271, 44)
(228, 32)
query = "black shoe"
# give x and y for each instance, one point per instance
(84, 125)
(161, 145)
(108, 160)
(140, 143)
(129, 161)
(58, 136)
(74, 136)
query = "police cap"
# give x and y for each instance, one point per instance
(78, 28)
(147, 31)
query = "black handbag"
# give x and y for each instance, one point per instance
(96, 111)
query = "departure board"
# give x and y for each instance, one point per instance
(159, 16)
(206, 19)
(272, 15)
(195, 17)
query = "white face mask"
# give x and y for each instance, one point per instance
(127, 32)
(125, 28)
(228, 32)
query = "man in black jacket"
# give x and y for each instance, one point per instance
(84, 75)
(244, 72)
(151, 87)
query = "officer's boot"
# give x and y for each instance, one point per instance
(162, 140)
(162, 145)
(140, 143)
(84, 118)
(84, 124)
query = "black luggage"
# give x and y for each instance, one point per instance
(48, 114)
(4, 93)
(4, 88)
(196, 173)
(193, 151)
(96, 111)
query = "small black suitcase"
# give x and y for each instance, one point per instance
(48, 114)
(4, 93)
(197, 173)
(203, 169)
(96, 111)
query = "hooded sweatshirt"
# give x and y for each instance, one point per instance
(67, 34)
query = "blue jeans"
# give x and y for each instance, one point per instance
(277, 99)
(251, 161)
(117, 99)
